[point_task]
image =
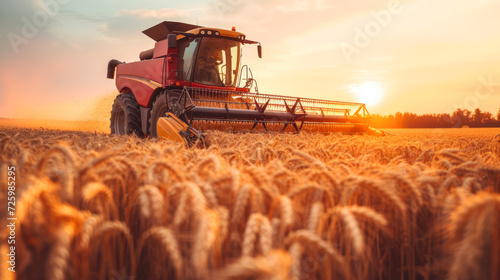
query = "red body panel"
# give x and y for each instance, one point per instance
(141, 77)
(161, 49)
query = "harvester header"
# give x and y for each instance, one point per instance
(192, 81)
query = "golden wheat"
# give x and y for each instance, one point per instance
(422, 205)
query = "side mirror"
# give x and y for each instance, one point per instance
(259, 50)
(172, 41)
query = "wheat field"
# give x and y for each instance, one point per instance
(424, 204)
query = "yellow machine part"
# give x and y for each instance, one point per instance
(223, 32)
(375, 132)
(170, 127)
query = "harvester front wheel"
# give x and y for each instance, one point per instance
(125, 115)
(161, 106)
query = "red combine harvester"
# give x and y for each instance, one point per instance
(190, 82)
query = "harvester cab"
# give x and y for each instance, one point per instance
(193, 74)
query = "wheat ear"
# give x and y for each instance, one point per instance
(169, 244)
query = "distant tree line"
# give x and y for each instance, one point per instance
(459, 118)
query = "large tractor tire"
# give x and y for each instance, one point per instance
(161, 106)
(126, 116)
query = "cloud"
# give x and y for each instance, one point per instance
(67, 14)
(11, 17)
(27, 22)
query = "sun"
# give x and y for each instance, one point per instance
(370, 93)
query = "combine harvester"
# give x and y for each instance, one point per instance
(190, 82)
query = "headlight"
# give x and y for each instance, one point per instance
(209, 32)
(203, 32)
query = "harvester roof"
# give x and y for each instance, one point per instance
(161, 30)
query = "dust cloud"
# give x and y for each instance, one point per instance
(83, 115)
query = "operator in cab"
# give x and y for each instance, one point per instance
(207, 71)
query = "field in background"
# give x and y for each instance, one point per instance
(89, 126)
(420, 205)
(90, 115)
(101, 126)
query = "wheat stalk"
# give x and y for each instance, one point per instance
(313, 241)
(168, 243)
(252, 230)
(58, 258)
(206, 235)
(115, 227)
(151, 203)
(240, 204)
(355, 231)
(315, 216)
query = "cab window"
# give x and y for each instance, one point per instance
(217, 62)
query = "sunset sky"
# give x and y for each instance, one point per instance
(421, 56)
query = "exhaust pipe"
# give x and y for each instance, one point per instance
(111, 68)
(145, 55)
